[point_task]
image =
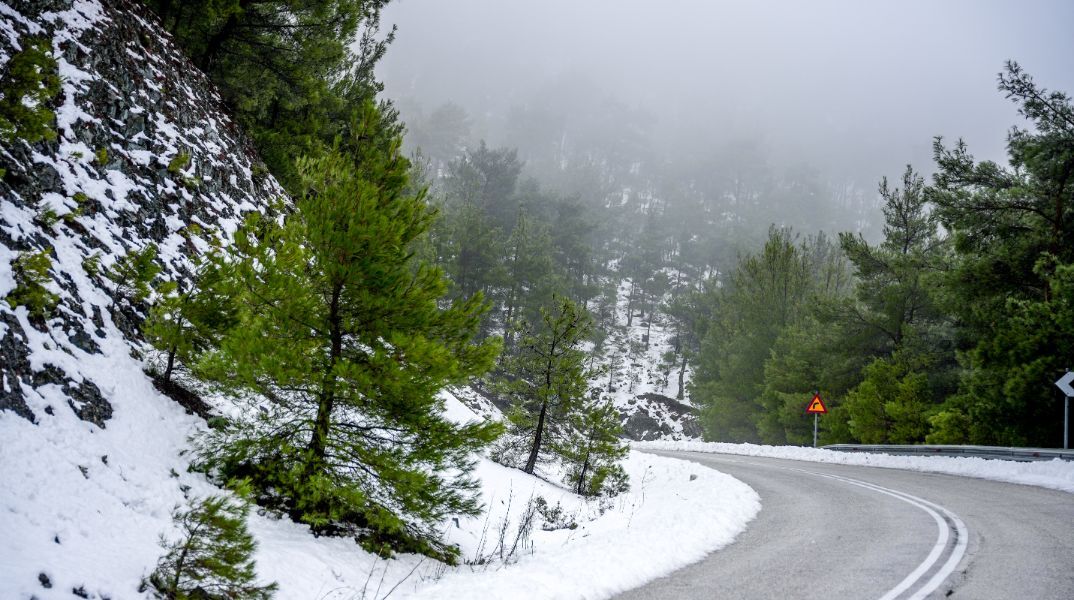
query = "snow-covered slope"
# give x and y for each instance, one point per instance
(638, 378)
(92, 456)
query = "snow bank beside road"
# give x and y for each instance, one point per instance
(1055, 474)
(665, 522)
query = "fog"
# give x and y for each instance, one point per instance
(854, 90)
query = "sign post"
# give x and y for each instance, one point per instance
(816, 407)
(1064, 384)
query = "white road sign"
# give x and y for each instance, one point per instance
(1064, 383)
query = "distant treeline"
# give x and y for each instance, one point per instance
(951, 330)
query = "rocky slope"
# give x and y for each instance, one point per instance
(143, 151)
(144, 154)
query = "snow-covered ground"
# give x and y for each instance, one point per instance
(85, 506)
(634, 367)
(1054, 474)
(639, 377)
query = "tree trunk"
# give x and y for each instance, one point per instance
(581, 476)
(649, 325)
(630, 305)
(180, 563)
(322, 423)
(531, 462)
(682, 377)
(171, 364)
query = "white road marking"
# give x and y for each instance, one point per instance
(961, 539)
(961, 536)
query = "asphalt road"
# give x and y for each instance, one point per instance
(836, 531)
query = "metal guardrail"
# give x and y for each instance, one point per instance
(996, 452)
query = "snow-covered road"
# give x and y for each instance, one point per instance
(829, 531)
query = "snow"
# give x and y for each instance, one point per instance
(632, 369)
(81, 504)
(1054, 474)
(7, 278)
(85, 506)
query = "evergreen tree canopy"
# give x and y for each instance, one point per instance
(547, 379)
(592, 449)
(28, 83)
(346, 336)
(213, 557)
(187, 320)
(902, 326)
(291, 71)
(764, 294)
(1013, 230)
(487, 178)
(892, 292)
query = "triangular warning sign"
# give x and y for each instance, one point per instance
(816, 406)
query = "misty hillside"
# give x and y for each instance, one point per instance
(829, 199)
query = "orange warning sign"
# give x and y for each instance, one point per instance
(816, 406)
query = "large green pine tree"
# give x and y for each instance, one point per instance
(893, 295)
(908, 335)
(763, 295)
(290, 71)
(1013, 231)
(347, 339)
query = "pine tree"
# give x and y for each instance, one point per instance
(894, 298)
(133, 275)
(1012, 228)
(547, 378)
(765, 294)
(487, 178)
(31, 272)
(571, 230)
(592, 449)
(213, 557)
(185, 322)
(346, 335)
(530, 270)
(28, 83)
(289, 70)
(477, 261)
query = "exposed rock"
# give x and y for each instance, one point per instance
(86, 400)
(12, 362)
(655, 417)
(130, 103)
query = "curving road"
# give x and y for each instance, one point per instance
(836, 531)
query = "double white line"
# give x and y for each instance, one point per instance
(961, 540)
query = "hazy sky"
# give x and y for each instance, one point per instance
(853, 87)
